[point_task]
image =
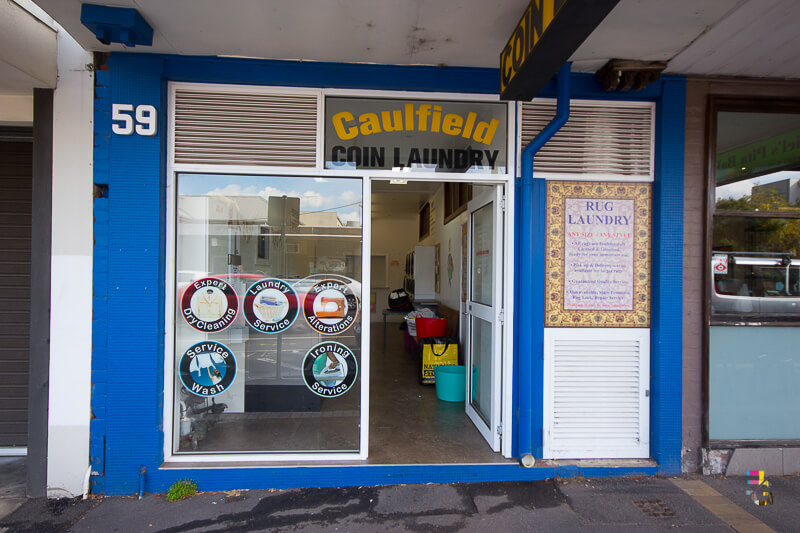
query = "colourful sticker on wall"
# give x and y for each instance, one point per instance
(207, 368)
(330, 369)
(209, 305)
(330, 307)
(270, 306)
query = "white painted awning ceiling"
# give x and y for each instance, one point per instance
(703, 37)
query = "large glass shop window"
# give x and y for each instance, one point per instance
(754, 359)
(267, 314)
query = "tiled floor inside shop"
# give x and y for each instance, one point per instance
(408, 424)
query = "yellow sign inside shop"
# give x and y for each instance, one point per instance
(431, 135)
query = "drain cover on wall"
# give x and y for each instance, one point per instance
(654, 508)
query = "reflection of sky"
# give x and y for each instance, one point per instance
(745, 187)
(342, 196)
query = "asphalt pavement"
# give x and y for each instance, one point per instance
(687, 503)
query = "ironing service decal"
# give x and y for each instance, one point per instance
(207, 368)
(330, 369)
(330, 307)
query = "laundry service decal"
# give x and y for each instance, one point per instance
(433, 135)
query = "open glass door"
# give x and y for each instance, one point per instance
(484, 297)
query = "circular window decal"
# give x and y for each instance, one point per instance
(270, 305)
(330, 307)
(209, 305)
(330, 369)
(207, 368)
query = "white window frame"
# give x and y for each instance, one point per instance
(173, 169)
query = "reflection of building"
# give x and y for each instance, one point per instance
(788, 189)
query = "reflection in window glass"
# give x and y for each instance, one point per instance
(777, 191)
(750, 144)
(267, 314)
(482, 255)
(755, 277)
(756, 267)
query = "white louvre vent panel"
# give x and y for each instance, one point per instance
(241, 128)
(597, 403)
(601, 139)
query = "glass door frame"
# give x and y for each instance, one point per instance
(489, 429)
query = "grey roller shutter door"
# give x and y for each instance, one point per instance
(15, 274)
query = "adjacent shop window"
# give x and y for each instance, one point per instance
(756, 216)
(267, 314)
(755, 272)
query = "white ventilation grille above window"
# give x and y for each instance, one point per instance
(596, 388)
(601, 140)
(241, 128)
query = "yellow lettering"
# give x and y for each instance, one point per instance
(423, 112)
(369, 124)
(392, 120)
(471, 116)
(484, 133)
(339, 125)
(436, 119)
(452, 124)
(409, 117)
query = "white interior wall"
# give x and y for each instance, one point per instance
(71, 273)
(393, 237)
(449, 238)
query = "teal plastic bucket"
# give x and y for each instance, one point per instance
(451, 383)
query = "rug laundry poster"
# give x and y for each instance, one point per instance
(598, 254)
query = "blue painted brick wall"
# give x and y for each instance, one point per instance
(128, 348)
(667, 334)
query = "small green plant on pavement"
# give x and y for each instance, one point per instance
(183, 488)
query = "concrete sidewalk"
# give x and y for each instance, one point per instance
(574, 504)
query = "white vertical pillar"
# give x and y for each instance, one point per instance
(71, 272)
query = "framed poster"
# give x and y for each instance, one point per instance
(598, 254)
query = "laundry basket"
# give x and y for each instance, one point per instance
(431, 327)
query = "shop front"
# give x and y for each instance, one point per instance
(252, 217)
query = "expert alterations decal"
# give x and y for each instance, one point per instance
(330, 307)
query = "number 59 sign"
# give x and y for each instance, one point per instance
(127, 119)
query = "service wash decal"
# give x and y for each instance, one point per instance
(330, 369)
(330, 307)
(207, 368)
(209, 305)
(270, 306)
